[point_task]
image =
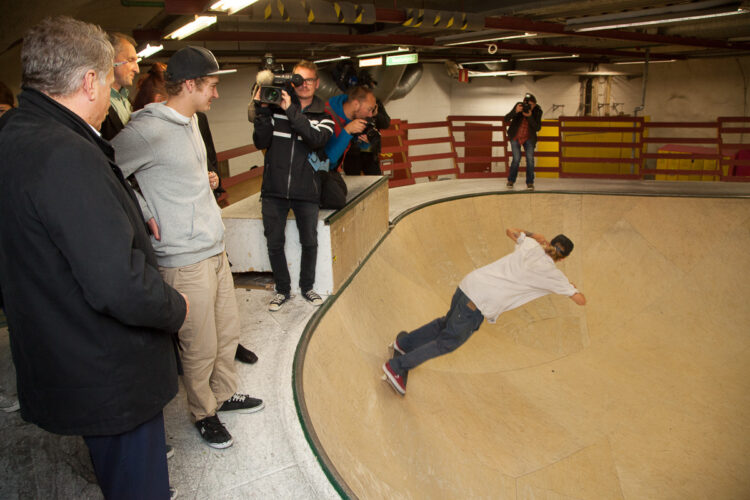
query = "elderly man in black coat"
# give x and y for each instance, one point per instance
(91, 321)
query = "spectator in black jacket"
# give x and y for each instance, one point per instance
(290, 133)
(525, 121)
(91, 321)
(126, 67)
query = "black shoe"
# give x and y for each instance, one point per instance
(214, 433)
(245, 355)
(312, 297)
(509, 185)
(172, 493)
(277, 301)
(170, 452)
(242, 403)
(530, 187)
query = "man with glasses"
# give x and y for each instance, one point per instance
(125, 69)
(290, 133)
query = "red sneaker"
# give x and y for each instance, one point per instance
(397, 347)
(396, 380)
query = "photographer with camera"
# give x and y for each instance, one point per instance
(363, 156)
(525, 121)
(352, 115)
(290, 132)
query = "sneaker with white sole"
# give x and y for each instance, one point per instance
(312, 297)
(396, 380)
(170, 451)
(242, 403)
(396, 347)
(277, 301)
(214, 433)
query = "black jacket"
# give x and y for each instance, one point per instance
(111, 125)
(88, 313)
(289, 138)
(535, 122)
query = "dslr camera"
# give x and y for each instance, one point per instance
(526, 107)
(372, 133)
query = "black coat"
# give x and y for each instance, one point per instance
(91, 321)
(288, 139)
(515, 119)
(112, 125)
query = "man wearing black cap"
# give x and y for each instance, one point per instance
(163, 147)
(520, 277)
(525, 121)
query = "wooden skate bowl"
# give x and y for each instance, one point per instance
(642, 394)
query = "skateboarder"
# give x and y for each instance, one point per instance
(520, 277)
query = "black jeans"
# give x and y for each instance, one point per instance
(275, 211)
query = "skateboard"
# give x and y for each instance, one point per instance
(396, 354)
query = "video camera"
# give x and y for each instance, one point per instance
(272, 80)
(271, 84)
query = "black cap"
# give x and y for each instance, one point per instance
(192, 62)
(563, 245)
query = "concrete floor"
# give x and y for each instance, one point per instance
(270, 457)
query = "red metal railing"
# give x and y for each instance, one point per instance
(618, 147)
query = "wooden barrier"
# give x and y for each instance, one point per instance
(617, 147)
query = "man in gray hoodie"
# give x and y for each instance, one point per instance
(162, 146)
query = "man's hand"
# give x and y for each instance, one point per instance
(256, 98)
(154, 227)
(213, 180)
(526, 113)
(363, 138)
(187, 305)
(355, 126)
(286, 100)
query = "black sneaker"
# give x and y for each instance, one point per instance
(509, 185)
(312, 297)
(172, 493)
(530, 187)
(277, 301)
(245, 355)
(242, 403)
(214, 433)
(170, 452)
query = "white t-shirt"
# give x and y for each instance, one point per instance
(520, 277)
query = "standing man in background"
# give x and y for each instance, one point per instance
(91, 321)
(126, 67)
(525, 121)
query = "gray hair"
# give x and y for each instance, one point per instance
(118, 39)
(58, 52)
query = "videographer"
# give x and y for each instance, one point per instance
(525, 121)
(290, 132)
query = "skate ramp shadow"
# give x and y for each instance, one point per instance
(643, 393)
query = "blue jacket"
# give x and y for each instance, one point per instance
(339, 142)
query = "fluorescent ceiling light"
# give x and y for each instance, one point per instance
(648, 22)
(572, 56)
(484, 62)
(373, 61)
(650, 62)
(231, 6)
(150, 50)
(479, 74)
(339, 58)
(391, 51)
(194, 26)
(493, 39)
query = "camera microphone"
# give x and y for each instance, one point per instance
(264, 77)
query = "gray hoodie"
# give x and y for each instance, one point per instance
(165, 151)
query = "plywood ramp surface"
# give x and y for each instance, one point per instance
(643, 393)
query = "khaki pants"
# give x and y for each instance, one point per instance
(209, 336)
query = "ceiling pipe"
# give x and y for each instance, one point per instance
(398, 16)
